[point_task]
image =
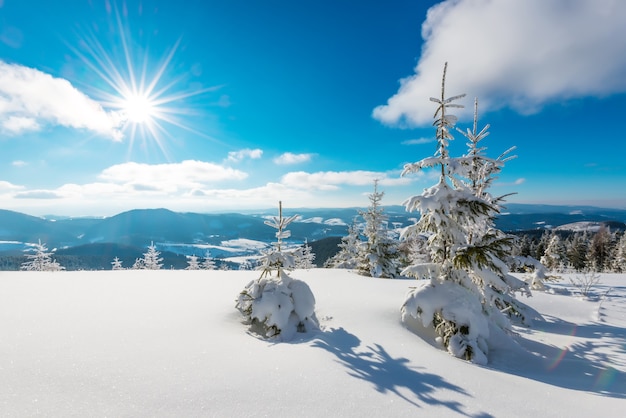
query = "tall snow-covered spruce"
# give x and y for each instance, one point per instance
(466, 290)
(275, 305)
(378, 254)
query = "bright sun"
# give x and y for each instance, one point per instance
(143, 104)
(138, 108)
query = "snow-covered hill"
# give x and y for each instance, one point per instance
(140, 227)
(171, 344)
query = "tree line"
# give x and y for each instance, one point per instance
(601, 251)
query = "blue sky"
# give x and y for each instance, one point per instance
(224, 105)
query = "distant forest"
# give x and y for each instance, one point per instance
(560, 251)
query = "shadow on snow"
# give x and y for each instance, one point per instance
(586, 363)
(376, 366)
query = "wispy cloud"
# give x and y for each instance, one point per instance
(38, 194)
(332, 180)
(30, 99)
(19, 163)
(289, 158)
(517, 54)
(418, 141)
(516, 182)
(237, 156)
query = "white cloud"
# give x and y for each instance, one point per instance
(19, 163)
(237, 156)
(418, 141)
(30, 98)
(290, 158)
(517, 54)
(331, 180)
(5, 187)
(170, 177)
(17, 124)
(257, 197)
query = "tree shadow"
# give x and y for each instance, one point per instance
(375, 365)
(585, 365)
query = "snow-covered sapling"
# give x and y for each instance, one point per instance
(192, 263)
(150, 259)
(42, 260)
(275, 305)
(116, 264)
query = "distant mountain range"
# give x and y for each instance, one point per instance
(128, 234)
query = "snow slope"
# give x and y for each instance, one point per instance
(171, 344)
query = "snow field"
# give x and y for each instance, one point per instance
(171, 343)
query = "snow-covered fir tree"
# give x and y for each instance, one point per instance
(41, 260)
(598, 256)
(306, 260)
(275, 305)
(467, 278)
(576, 248)
(490, 250)
(378, 254)
(150, 260)
(619, 259)
(193, 263)
(208, 263)
(348, 255)
(116, 264)
(554, 256)
(138, 264)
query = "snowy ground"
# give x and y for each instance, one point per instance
(171, 344)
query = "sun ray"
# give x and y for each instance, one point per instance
(148, 104)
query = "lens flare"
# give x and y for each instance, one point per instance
(145, 105)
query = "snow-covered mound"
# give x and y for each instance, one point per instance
(171, 344)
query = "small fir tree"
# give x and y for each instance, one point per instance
(138, 264)
(554, 254)
(275, 305)
(151, 259)
(306, 260)
(193, 263)
(41, 260)
(208, 263)
(348, 255)
(116, 264)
